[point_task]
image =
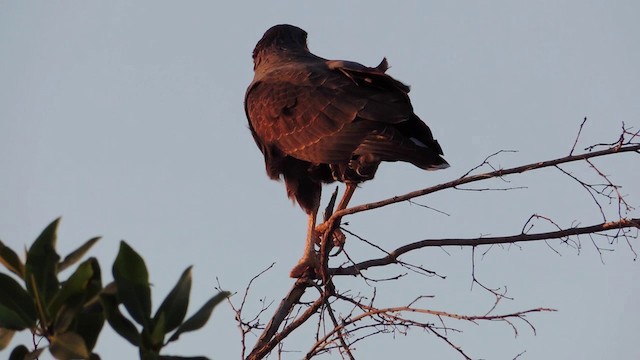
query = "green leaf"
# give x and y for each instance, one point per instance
(65, 318)
(19, 353)
(157, 335)
(5, 337)
(110, 289)
(89, 324)
(10, 319)
(148, 354)
(118, 322)
(11, 261)
(77, 305)
(131, 277)
(77, 254)
(68, 346)
(197, 320)
(174, 306)
(35, 354)
(75, 287)
(90, 320)
(41, 267)
(17, 311)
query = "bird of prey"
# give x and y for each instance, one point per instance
(318, 121)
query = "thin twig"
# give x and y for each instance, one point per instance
(480, 177)
(393, 255)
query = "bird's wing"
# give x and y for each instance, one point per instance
(322, 113)
(389, 104)
(387, 98)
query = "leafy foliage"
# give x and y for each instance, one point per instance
(131, 278)
(70, 314)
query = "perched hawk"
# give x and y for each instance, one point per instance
(318, 121)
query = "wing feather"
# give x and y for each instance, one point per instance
(326, 111)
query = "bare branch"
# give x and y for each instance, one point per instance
(578, 136)
(268, 340)
(363, 318)
(393, 255)
(247, 326)
(395, 315)
(479, 177)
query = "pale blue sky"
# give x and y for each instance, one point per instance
(127, 119)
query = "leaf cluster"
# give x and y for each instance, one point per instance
(70, 314)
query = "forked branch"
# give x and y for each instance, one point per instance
(630, 147)
(392, 257)
(364, 319)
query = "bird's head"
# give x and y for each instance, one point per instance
(280, 40)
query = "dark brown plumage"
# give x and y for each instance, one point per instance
(318, 121)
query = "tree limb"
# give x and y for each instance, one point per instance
(389, 318)
(393, 255)
(479, 177)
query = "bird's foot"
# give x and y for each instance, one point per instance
(339, 238)
(307, 267)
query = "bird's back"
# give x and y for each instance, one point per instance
(328, 112)
(318, 120)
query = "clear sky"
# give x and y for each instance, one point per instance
(127, 120)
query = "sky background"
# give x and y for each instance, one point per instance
(127, 119)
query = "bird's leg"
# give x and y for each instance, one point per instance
(346, 197)
(308, 265)
(338, 236)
